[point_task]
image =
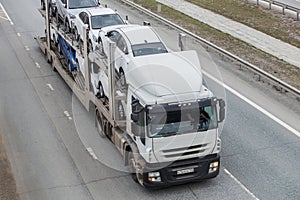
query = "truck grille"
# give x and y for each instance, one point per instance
(184, 151)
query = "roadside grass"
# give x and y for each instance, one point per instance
(272, 22)
(277, 67)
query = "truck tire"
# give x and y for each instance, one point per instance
(132, 169)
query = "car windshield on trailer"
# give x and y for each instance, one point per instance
(100, 21)
(74, 4)
(148, 49)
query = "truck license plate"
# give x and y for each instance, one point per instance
(185, 171)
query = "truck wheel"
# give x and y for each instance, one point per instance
(132, 170)
(100, 124)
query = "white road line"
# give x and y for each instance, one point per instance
(19, 34)
(37, 65)
(50, 86)
(67, 115)
(6, 14)
(279, 121)
(240, 184)
(91, 152)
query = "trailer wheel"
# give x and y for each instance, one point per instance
(100, 124)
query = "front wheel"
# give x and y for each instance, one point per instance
(136, 175)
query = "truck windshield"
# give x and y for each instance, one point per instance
(100, 21)
(74, 4)
(165, 123)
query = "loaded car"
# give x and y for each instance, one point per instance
(131, 41)
(95, 19)
(68, 9)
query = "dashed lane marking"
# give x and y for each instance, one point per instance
(50, 86)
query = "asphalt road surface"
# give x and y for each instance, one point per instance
(47, 131)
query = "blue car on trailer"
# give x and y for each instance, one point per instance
(68, 53)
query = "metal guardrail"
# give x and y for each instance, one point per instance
(272, 79)
(283, 5)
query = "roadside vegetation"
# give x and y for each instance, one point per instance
(260, 19)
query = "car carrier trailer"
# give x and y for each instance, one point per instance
(164, 138)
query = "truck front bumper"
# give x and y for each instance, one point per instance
(181, 171)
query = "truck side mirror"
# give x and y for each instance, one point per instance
(222, 110)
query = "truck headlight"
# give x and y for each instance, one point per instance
(154, 177)
(213, 167)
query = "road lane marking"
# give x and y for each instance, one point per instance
(19, 34)
(91, 152)
(6, 14)
(37, 65)
(240, 184)
(67, 115)
(50, 86)
(268, 114)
